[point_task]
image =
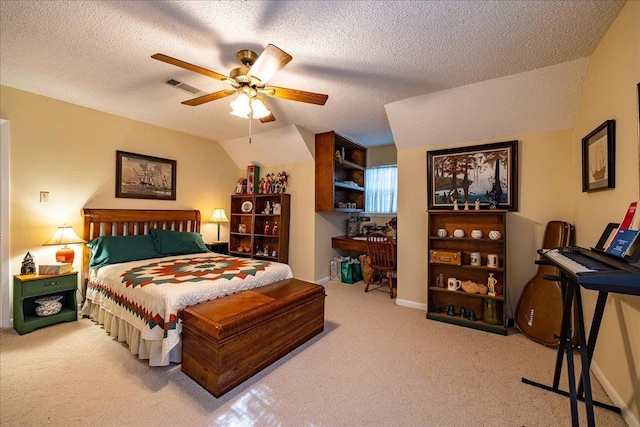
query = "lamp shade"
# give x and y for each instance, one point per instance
(241, 106)
(219, 215)
(245, 105)
(259, 109)
(65, 236)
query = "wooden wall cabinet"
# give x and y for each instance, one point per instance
(249, 236)
(339, 180)
(440, 298)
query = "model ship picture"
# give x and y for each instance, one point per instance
(146, 177)
(598, 159)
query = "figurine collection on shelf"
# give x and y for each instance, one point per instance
(273, 183)
(264, 251)
(268, 230)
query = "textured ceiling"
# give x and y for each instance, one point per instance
(364, 55)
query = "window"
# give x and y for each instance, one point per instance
(381, 189)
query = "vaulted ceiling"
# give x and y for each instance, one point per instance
(432, 71)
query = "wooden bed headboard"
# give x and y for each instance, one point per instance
(128, 222)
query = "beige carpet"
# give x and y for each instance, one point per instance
(376, 364)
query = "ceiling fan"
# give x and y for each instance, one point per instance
(249, 82)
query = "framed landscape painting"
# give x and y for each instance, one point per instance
(484, 174)
(145, 177)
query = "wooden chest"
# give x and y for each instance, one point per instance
(227, 340)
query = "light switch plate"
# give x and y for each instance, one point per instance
(44, 196)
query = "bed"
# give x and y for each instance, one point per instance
(144, 267)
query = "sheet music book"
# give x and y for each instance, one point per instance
(632, 218)
(623, 242)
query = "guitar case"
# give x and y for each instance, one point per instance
(539, 310)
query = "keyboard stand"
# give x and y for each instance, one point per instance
(572, 298)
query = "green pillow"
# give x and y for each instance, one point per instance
(178, 242)
(107, 250)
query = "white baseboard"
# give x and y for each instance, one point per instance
(627, 415)
(323, 280)
(411, 304)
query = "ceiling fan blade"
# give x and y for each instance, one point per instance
(269, 118)
(190, 67)
(209, 97)
(295, 95)
(269, 62)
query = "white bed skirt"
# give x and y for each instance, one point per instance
(125, 332)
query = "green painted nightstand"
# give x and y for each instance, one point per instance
(29, 287)
(218, 247)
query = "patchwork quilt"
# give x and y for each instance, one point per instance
(151, 294)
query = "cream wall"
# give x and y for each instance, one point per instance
(70, 151)
(610, 92)
(544, 169)
(302, 229)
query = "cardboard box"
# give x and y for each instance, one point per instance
(55, 268)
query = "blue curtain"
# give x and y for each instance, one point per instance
(381, 189)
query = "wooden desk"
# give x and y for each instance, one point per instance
(351, 244)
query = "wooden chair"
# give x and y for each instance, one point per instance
(382, 252)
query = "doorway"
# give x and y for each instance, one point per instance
(5, 271)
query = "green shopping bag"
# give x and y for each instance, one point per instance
(347, 272)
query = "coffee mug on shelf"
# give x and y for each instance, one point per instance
(453, 284)
(474, 258)
(492, 260)
(458, 233)
(442, 232)
(440, 281)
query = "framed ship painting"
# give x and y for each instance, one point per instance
(481, 175)
(145, 177)
(599, 158)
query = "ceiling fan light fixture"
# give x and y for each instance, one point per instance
(240, 106)
(259, 109)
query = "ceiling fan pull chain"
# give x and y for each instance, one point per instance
(250, 116)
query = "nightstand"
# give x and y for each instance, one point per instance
(218, 247)
(29, 287)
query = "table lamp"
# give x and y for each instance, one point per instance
(218, 217)
(65, 236)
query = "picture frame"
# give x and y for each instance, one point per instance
(139, 176)
(599, 158)
(487, 173)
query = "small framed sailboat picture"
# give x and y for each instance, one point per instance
(145, 177)
(599, 158)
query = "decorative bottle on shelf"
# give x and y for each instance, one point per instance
(266, 227)
(275, 228)
(490, 312)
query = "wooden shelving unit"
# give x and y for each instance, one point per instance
(440, 298)
(254, 240)
(339, 181)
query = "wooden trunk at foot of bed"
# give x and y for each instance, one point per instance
(226, 341)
